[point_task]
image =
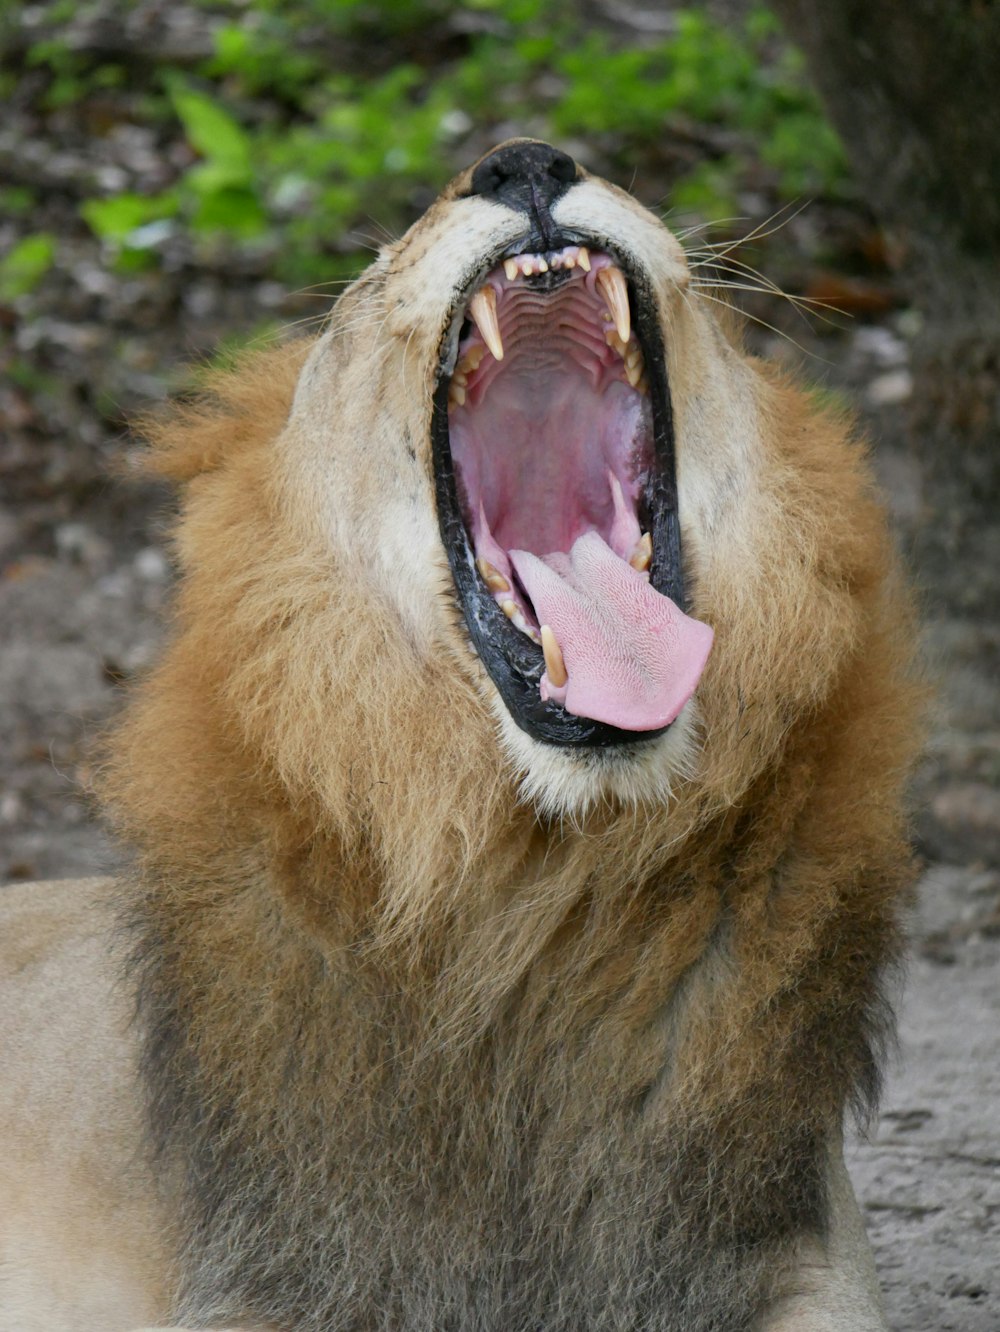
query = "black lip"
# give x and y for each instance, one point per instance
(515, 664)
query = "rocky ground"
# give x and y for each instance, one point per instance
(84, 584)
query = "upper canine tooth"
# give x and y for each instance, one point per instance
(483, 309)
(615, 291)
(554, 664)
(583, 258)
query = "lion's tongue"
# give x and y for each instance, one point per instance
(632, 658)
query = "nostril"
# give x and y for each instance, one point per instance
(562, 167)
(525, 175)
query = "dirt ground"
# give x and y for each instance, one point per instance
(84, 586)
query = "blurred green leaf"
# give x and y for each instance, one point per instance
(118, 219)
(212, 132)
(23, 267)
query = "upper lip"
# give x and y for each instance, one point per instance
(515, 662)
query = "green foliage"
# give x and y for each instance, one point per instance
(23, 267)
(315, 121)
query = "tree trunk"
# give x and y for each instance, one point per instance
(911, 85)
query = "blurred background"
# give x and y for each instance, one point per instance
(182, 178)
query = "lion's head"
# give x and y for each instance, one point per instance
(458, 563)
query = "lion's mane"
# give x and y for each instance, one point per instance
(385, 1001)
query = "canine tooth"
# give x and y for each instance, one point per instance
(511, 269)
(615, 291)
(483, 308)
(456, 394)
(642, 555)
(492, 576)
(554, 664)
(583, 258)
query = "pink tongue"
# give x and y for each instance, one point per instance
(632, 658)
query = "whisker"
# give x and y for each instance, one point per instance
(706, 296)
(803, 305)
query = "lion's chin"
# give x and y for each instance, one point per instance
(567, 782)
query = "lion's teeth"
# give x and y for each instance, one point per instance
(554, 665)
(613, 340)
(583, 258)
(470, 359)
(483, 309)
(634, 372)
(509, 608)
(511, 269)
(492, 576)
(614, 289)
(642, 555)
(456, 394)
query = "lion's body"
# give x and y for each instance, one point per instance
(441, 1030)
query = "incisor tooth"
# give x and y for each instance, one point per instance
(492, 576)
(483, 308)
(510, 268)
(615, 291)
(554, 664)
(642, 555)
(583, 258)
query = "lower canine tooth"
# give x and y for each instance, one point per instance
(642, 555)
(483, 309)
(554, 664)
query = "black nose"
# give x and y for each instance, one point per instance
(528, 176)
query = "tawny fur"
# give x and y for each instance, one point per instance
(422, 1051)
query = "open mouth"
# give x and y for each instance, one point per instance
(557, 497)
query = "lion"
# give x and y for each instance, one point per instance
(516, 834)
